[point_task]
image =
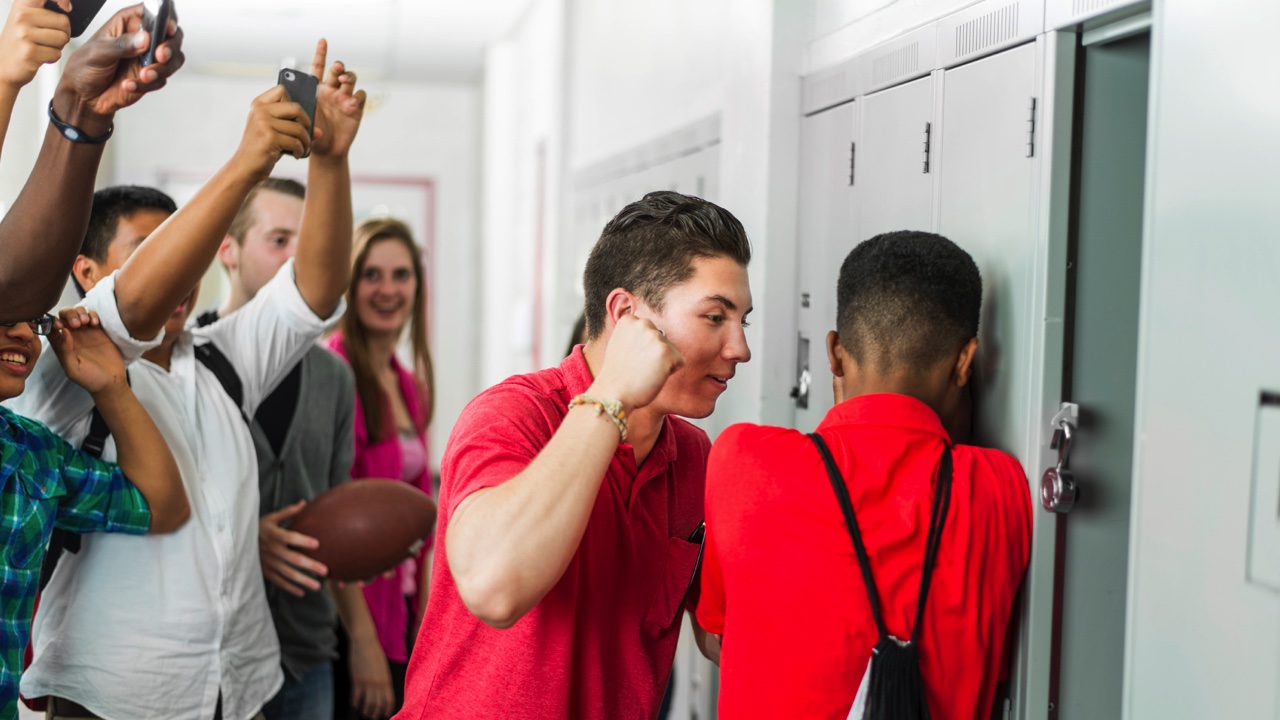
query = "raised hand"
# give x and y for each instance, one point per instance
(32, 36)
(106, 74)
(282, 564)
(339, 106)
(87, 354)
(637, 363)
(275, 126)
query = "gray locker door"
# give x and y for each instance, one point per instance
(895, 192)
(826, 234)
(985, 205)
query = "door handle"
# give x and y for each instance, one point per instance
(1058, 490)
(800, 391)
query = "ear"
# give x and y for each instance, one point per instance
(228, 253)
(86, 272)
(964, 363)
(835, 354)
(620, 302)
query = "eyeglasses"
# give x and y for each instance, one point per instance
(42, 325)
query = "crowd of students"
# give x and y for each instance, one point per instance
(582, 517)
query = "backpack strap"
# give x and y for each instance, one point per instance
(211, 357)
(938, 516)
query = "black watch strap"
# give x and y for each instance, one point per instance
(75, 134)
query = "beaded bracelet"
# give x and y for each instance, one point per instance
(611, 409)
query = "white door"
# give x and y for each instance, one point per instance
(826, 233)
(895, 187)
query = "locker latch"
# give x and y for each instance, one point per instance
(928, 132)
(1031, 128)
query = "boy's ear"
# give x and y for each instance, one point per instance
(86, 272)
(619, 303)
(834, 357)
(964, 362)
(227, 253)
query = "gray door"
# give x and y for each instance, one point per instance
(1101, 371)
(826, 233)
(895, 189)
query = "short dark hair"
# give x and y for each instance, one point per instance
(244, 218)
(907, 299)
(111, 204)
(650, 246)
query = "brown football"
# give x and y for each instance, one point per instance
(366, 527)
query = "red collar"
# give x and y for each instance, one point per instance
(886, 410)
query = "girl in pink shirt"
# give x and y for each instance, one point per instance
(393, 408)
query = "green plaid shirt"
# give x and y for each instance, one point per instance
(46, 482)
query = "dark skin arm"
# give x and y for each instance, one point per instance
(42, 232)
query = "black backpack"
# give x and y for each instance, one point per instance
(66, 541)
(894, 685)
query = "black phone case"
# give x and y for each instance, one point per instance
(301, 88)
(82, 14)
(158, 26)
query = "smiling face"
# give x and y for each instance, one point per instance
(386, 285)
(19, 350)
(267, 244)
(704, 317)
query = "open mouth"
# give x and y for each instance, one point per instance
(721, 380)
(15, 361)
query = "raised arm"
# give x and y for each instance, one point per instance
(92, 361)
(32, 36)
(164, 268)
(543, 511)
(42, 232)
(323, 262)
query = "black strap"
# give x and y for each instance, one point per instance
(211, 357)
(938, 518)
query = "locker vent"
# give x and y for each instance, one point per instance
(893, 65)
(1086, 7)
(991, 29)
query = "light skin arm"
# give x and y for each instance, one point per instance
(544, 510)
(32, 36)
(92, 361)
(371, 690)
(165, 267)
(322, 267)
(42, 232)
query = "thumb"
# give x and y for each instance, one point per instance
(109, 51)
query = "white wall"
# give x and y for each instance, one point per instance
(410, 132)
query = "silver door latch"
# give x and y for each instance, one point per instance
(1058, 491)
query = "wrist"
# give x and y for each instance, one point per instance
(110, 394)
(607, 391)
(72, 110)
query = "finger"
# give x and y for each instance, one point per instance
(298, 540)
(295, 576)
(290, 133)
(277, 94)
(299, 563)
(285, 513)
(286, 109)
(317, 62)
(169, 59)
(332, 78)
(94, 319)
(46, 55)
(277, 580)
(171, 46)
(357, 696)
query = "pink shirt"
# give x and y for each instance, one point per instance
(385, 459)
(601, 642)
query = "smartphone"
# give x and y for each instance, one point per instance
(302, 88)
(155, 19)
(82, 13)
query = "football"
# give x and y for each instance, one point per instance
(367, 527)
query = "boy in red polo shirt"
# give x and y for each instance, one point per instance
(569, 496)
(782, 584)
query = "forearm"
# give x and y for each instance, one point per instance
(323, 263)
(42, 233)
(8, 98)
(162, 272)
(354, 613)
(144, 457)
(509, 545)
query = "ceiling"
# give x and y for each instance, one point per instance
(406, 40)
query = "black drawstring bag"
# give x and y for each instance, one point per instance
(894, 685)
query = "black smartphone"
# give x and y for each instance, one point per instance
(302, 88)
(82, 13)
(155, 19)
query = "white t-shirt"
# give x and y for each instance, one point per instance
(156, 626)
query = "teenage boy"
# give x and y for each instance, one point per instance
(790, 602)
(569, 496)
(304, 438)
(40, 233)
(190, 609)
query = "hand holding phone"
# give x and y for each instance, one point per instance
(155, 20)
(301, 88)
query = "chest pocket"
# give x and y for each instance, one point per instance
(674, 585)
(28, 508)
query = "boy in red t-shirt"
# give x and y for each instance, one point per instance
(782, 584)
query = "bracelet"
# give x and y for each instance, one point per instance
(75, 134)
(611, 409)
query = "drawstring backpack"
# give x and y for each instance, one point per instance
(892, 687)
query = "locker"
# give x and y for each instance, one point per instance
(826, 233)
(894, 182)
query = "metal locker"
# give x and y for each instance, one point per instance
(894, 163)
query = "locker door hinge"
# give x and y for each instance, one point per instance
(853, 158)
(1031, 128)
(928, 131)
